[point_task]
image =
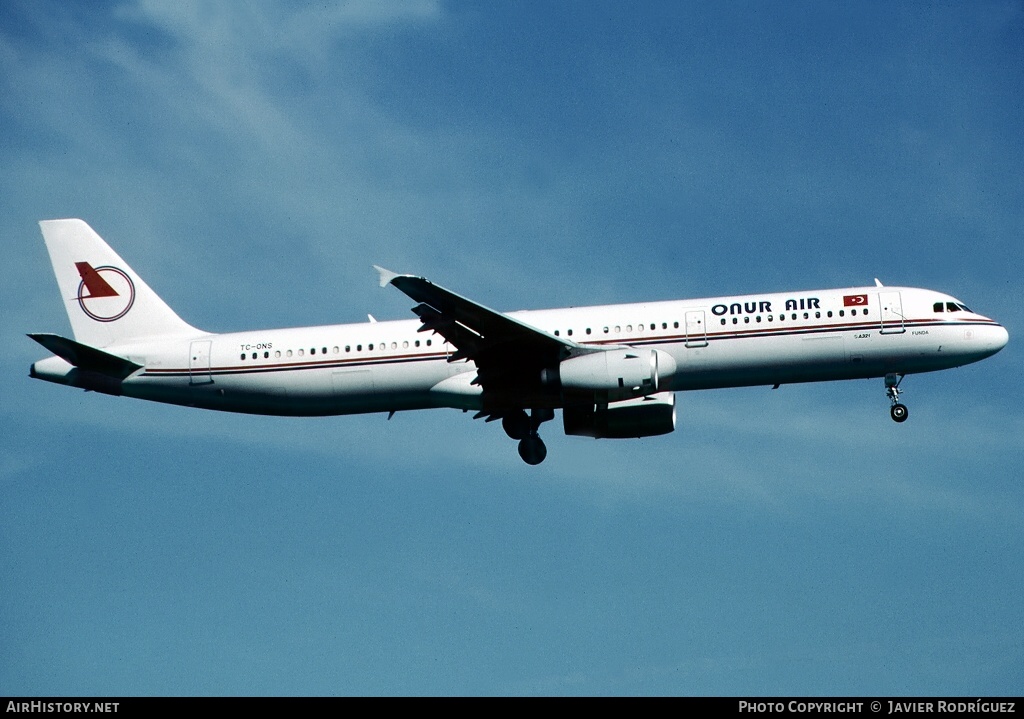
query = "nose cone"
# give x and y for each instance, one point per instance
(991, 339)
(999, 338)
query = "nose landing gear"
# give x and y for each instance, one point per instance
(898, 411)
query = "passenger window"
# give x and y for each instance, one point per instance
(289, 353)
(416, 343)
(569, 332)
(243, 355)
(348, 348)
(723, 320)
(556, 333)
(266, 355)
(830, 313)
(323, 350)
(277, 354)
(312, 350)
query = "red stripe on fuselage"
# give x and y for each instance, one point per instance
(673, 338)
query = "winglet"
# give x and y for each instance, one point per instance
(878, 283)
(385, 275)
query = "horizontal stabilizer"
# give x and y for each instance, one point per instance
(86, 357)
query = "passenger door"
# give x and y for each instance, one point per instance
(199, 362)
(696, 331)
(892, 313)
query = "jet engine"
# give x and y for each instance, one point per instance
(612, 375)
(642, 417)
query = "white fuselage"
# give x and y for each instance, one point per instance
(720, 342)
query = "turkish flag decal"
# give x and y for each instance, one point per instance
(855, 300)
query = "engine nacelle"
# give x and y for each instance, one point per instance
(614, 374)
(643, 417)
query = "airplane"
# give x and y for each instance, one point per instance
(612, 370)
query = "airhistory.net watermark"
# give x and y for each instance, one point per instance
(48, 707)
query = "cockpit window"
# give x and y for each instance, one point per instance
(950, 307)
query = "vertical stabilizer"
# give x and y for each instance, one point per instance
(107, 303)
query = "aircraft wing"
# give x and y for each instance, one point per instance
(509, 354)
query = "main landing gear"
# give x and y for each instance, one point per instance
(898, 411)
(518, 425)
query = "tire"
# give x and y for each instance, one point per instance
(532, 450)
(899, 413)
(516, 425)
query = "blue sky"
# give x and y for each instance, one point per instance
(252, 161)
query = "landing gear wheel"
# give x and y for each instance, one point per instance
(516, 425)
(899, 412)
(532, 449)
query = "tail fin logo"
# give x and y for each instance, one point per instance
(105, 293)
